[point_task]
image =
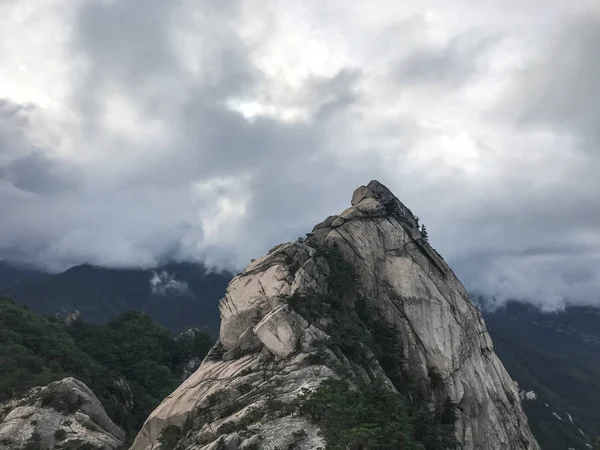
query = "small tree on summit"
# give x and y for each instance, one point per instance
(424, 236)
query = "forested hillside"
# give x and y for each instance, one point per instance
(130, 363)
(555, 357)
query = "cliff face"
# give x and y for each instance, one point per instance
(281, 337)
(63, 415)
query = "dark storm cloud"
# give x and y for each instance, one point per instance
(138, 194)
(139, 211)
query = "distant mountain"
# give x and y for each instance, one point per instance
(178, 295)
(555, 358)
(11, 275)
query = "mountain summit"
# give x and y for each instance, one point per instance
(357, 337)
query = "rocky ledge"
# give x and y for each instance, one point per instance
(63, 415)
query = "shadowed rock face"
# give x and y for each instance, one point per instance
(265, 345)
(64, 413)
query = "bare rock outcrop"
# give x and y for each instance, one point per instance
(63, 415)
(273, 346)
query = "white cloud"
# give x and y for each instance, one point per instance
(163, 283)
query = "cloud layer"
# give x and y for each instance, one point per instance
(133, 132)
(164, 283)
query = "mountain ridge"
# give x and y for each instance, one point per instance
(177, 295)
(364, 300)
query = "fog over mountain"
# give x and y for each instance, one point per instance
(136, 132)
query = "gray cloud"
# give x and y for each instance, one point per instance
(24, 166)
(37, 173)
(286, 161)
(453, 63)
(139, 205)
(559, 89)
(168, 163)
(550, 254)
(14, 124)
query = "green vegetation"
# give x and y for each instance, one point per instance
(171, 435)
(35, 351)
(369, 416)
(372, 417)
(34, 442)
(144, 354)
(424, 235)
(131, 350)
(51, 398)
(77, 444)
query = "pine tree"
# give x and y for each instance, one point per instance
(424, 236)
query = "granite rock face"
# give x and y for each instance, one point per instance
(266, 348)
(64, 414)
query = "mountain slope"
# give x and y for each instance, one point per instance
(178, 296)
(11, 275)
(362, 324)
(130, 364)
(557, 357)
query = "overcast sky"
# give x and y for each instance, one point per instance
(135, 131)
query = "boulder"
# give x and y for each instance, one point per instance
(280, 331)
(65, 412)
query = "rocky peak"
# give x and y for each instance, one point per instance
(372, 201)
(382, 195)
(365, 301)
